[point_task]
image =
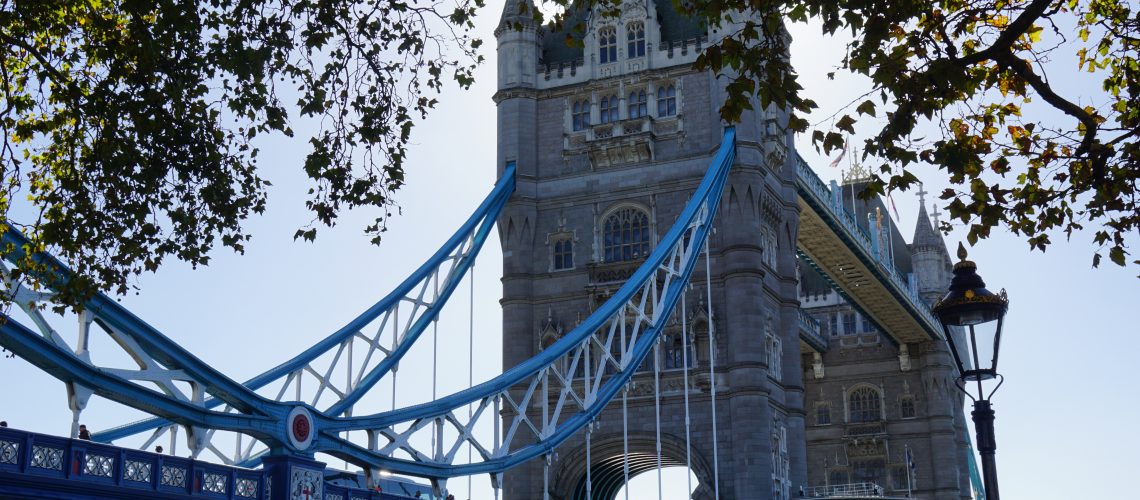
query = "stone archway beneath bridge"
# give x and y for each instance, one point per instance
(607, 465)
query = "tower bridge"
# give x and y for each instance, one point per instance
(675, 293)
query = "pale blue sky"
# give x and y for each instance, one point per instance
(1063, 426)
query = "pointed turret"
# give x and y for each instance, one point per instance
(519, 47)
(924, 233)
(929, 255)
(517, 14)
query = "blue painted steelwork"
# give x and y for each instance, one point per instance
(246, 411)
(675, 255)
(825, 202)
(474, 231)
(40, 466)
(810, 331)
(671, 263)
(44, 466)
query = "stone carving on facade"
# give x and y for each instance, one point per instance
(904, 358)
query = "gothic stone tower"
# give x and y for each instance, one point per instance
(610, 140)
(868, 399)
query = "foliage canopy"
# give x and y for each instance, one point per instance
(971, 71)
(131, 126)
(974, 71)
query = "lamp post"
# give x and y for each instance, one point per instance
(971, 309)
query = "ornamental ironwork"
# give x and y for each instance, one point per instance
(214, 483)
(134, 470)
(98, 465)
(173, 476)
(45, 457)
(245, 487)
(9, 452)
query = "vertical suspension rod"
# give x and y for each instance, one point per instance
(712, 368)
(657, 409)
(685, 376)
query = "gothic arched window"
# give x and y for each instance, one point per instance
(635, 36)
(863, 405)
(666, 101)
(625, 235)
(636, 106)
(609, 109)
(580, 114)
(607, 45)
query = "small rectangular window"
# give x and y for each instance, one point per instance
(848, 323)
(906, 407)
(823, 414)
(563, 254)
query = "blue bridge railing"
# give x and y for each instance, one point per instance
(810, 331)
(826, 200)
(32, 464)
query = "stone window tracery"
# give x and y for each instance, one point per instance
(864, 405)
(580, 114)
(635, 38)
(666, 101)
(781, 465)
(625, 235)
(607, 45)
(636, 105)
(609, 109)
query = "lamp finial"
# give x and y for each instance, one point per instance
(961, 251)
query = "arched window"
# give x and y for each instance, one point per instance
(607, 45)
(636, 105)
(609, 109)
(580, 113)
(625, 235)
(863, 405)
(564, 254)
(635, 36)
(666, 101)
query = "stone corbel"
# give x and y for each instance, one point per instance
(775, 146)
(817, 365)
(904, 358)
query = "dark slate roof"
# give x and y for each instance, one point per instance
(675, 27)
(924, 233)
(811, 283)
(518, 11)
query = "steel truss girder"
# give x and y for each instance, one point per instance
(161, 362)
(633, 318)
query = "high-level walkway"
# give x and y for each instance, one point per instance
(856, 262)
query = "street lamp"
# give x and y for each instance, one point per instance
(969, 306)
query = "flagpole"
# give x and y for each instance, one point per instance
(909, 471)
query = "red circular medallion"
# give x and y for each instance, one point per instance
(301, 428)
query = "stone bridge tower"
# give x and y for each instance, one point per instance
(610, 140)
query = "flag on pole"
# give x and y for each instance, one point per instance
(910, 462)
(842, 153)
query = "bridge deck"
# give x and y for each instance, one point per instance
(852, 261)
